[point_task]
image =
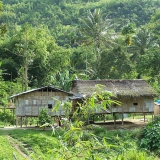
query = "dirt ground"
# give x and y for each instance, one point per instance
(127, 124)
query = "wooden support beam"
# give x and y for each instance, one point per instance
(13, 115)
(114, 117)
(104, 118)
(133, 115)
(21, 121)
(37, 121)
(16, 121)
(122, 118)
(26, 121)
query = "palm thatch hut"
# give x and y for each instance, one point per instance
(136, 96)
(29, 103)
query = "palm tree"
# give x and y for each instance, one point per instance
(142, 42)
(96, 31)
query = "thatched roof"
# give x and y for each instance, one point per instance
(120, 88)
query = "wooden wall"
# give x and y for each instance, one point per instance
(135, 105)
(132, 105)
(156, 109)
(30, 104)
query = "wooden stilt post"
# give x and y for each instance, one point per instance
(21, 121)
(13, 115)
(144, 117)
(133, 115)
(114, 117)
(104, 118)
(26, 121)
(16, 121)
(37, 121)
(122, 118)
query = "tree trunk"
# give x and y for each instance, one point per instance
(25, 75)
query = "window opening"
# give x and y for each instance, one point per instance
(49, 106)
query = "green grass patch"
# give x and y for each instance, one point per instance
(122, 144)
(7, 151)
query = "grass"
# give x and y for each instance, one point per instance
(7, 151)
(40, 144)
(37, 142)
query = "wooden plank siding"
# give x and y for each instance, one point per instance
(30, 103)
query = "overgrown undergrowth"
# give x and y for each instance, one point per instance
(95, 142)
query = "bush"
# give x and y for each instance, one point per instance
(43, 117)
(132, 154)
(6, 117)
(151, 135)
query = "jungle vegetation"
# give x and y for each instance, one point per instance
(46, 42)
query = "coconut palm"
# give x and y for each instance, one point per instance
(97, 32)
(142, 41)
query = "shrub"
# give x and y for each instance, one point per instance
(43, 117)
(132, 154)
(151, 135)
(6, 116)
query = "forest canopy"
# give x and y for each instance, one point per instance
(45, 42)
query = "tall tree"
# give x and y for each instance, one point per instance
(127, 31)
(25, 50)
(142, 42)
(3, 27)
(3, 90)
(154, 25)
(97, 32)
(115, 64)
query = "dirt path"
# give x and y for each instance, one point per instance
(18, 146)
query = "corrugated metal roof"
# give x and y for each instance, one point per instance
(38, 89)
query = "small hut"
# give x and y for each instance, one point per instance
(157, 108)
(136, 96)
(29, 103)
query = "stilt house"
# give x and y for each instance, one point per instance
(136, 96)
(29, 103)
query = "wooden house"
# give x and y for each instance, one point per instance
(29, 103)
(136, 96)
(157, 108)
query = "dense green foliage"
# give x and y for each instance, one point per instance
(50, 42)
(46, 42)
(43, 117)
(7, 150)
(66, 12)
(3, 89)
(6, 117)
(120, 144)
(151, 136)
